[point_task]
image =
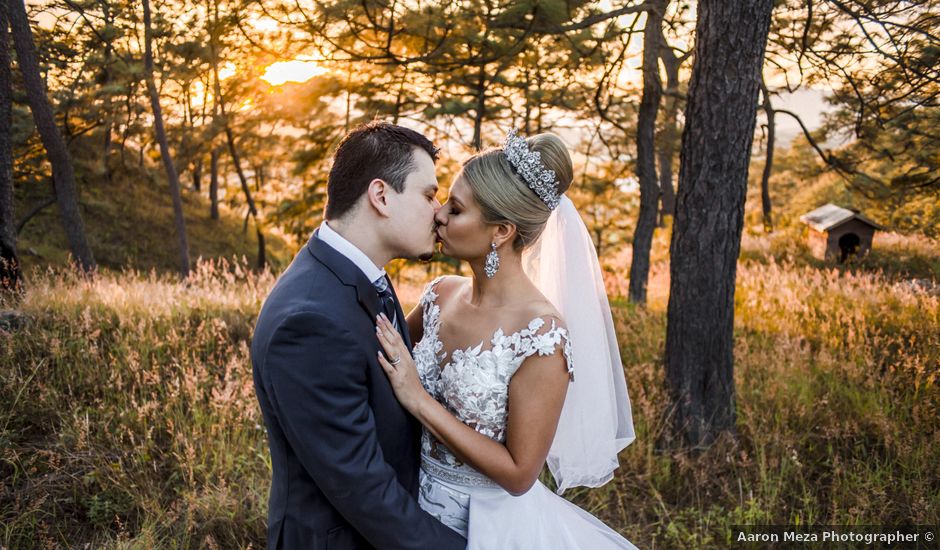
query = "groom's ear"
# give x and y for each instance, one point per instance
(377, 195)
(505, 232)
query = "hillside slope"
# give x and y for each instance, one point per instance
(129, 223)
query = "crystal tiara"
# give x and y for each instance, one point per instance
(528, 164)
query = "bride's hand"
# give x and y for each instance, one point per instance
(399, 365)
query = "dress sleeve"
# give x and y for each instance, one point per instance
(544, 336)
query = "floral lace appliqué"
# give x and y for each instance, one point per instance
(429, 351)
(474, 384)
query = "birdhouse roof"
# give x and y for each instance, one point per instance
(829, 216)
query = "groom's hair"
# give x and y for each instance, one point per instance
(377, 150)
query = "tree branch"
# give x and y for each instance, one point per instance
(842, 167)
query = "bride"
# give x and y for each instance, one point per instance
(518, 365)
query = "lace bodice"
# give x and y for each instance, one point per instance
(474, 383)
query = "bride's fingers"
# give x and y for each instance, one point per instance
(386, 324)
(384, 338)
(392, 349)
(380, 323)
(386, 366)
(391, 335)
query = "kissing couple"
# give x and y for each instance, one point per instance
(380, 443)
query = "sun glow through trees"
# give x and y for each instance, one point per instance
(291, 71)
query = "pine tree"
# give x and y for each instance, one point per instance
(729, 51)
(63, 172)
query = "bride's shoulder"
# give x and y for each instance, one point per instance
(541, 311)
(446, 286)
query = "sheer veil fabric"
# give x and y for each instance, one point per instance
(596, 421)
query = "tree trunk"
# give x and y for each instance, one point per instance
(539, 86)
(646, 154)
(171, 175)
(669, 133)
(9, 262)
(131, 118)
(193, 150)
(716, 146)
(527, 113)
(480, 111)
(214, 147)
(769, 161)
(106, 142)
(197, 175)
(236, 162)
(348, 98)
(399, 97)
(252, 210)
(63, 172)
(106, 77)
(230, 136)
(214, 183)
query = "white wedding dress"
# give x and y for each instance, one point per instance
(474, 386)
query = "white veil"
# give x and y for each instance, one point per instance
(596, 422)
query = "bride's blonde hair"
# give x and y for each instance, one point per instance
(504, 196)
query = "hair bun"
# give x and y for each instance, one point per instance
(503, 195)
(555, 157)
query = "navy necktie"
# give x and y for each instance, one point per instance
(387, 300)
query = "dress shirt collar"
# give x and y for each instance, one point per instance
(351, 252)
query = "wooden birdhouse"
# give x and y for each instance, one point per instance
(837, 233)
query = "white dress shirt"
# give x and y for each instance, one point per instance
(351, 252)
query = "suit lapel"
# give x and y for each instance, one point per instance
(348, 273)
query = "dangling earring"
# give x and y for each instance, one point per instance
(492, 262)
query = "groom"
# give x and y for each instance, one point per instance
(344, 454)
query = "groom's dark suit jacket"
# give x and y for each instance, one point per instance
(344, 454)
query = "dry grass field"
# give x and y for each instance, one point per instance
(128, 418)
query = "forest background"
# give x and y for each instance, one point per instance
(161, 162)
